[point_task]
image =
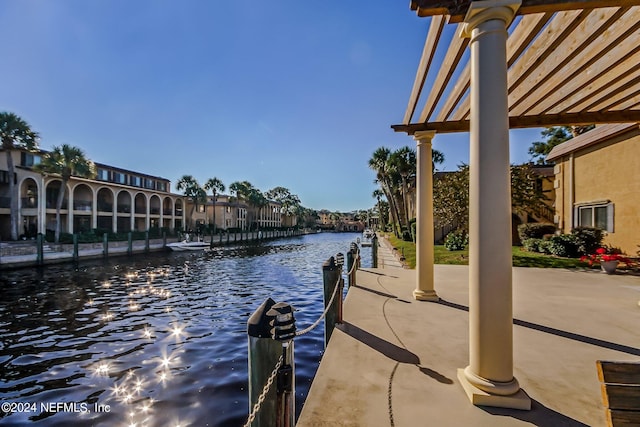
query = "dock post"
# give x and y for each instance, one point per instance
(270, 330)
(146, 241)
(129, 243)
(105, 245)
(164, 239)
(75, 247)
(40, 249)
(374, 251)
(331, 276)
(227, 238)
(351, 275)
(221, 238)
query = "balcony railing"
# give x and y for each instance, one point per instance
(154, 211)
(167, 211)
(178, 212)
(5, 202)
(51, 204)
(82, 205)
(105, 207)
(124, 208)
(29, 202)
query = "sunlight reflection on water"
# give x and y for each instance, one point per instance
(158, 340)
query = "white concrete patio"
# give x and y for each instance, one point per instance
(394, 361)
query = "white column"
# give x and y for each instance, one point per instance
(489, 380)
(70, 213)
(94, 208)
(424, 290)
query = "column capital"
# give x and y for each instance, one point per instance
(484, 10)
(424, 136)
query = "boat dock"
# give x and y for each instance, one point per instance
(394, 360)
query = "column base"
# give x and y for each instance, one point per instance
(518, 400)
(422, 295)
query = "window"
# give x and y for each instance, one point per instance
(149, 183)
(28, 159)
(595, 215)
(162, 186)
(135, 181)
(120, 178)
(103, 175)
(201, 208)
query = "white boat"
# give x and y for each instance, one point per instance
(367, 236)
(188, 245)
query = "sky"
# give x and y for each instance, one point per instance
(278, 93)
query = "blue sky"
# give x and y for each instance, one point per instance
(279, 93)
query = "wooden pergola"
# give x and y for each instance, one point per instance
(531, 63)
(569, 63)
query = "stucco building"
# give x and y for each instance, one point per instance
(597, 183)
(117, 200)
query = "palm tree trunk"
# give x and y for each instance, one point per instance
(394, 210)
(214, 213)
(13, 197)
(63, 187)
(404, 202)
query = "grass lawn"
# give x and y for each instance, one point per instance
(521, 258)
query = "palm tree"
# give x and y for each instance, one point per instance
(66, 161)
(378, 194)
(379, 162)
(216, 186)
(193, 191)
(15, 133)
(403, 161)
(257, 200)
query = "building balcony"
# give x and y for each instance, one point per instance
(29, 202)
(154, 211)
(124, 208)
(51, 204)
(167, 212)
(5, 202)
(105, 207)
(82, 205)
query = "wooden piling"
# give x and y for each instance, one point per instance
(331, 273)
(105, 245)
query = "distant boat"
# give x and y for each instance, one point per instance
(188, 245)
(367, 236)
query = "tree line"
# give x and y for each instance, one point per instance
(396, 177)
(240, 191)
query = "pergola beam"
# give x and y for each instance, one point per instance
(457, 9)
(519, 122)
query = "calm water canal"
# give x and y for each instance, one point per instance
(158, 340)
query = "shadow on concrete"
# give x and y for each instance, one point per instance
(382, 294)
(564, 334)
(539, 415)
(384, 347)
(390, 350)
(377, 273)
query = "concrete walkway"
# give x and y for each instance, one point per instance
(393, 362)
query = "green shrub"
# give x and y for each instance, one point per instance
(563, 245)
(587, 239)
(533, 245)
(406, 235)
(535, 230)
(456, 240)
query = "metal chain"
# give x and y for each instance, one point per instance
(263, 395)
(267, 386)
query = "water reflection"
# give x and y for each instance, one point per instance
(153, 341)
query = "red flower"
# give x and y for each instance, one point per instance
(601, 251)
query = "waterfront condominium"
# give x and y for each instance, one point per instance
(115, 200)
